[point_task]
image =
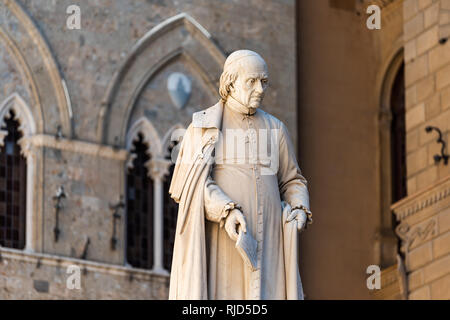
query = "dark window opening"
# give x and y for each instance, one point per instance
(398, 141)
(139, 197)
(13, 187)
(170, 215)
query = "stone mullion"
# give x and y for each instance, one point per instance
(158, 168)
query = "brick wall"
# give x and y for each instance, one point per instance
(42, 276)
(425, 233)
(424, 215)
(427, 75)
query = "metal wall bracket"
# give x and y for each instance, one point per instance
(443, 156)
(116, 216)
(60, 194)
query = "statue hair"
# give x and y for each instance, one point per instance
(226, 80)
(230, 74)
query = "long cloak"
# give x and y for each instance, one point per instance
(189, 266)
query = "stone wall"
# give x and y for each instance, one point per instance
(115, 71)
(424, 227)
(424, 214)
(43, 276)
(427, 77)
(89, 57)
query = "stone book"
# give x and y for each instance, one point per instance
(247, 248)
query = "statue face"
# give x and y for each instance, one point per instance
(251, 83)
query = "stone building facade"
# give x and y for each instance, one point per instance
(365, 98)
(424, 215)
(94, 111)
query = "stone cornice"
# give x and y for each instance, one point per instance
(88, 148)
(93, 266)
(421, 200)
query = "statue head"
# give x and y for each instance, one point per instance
(245, 78)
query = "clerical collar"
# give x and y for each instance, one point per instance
(239, 107)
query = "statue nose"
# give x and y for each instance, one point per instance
(259, 87)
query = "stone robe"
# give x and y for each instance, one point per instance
(249, 180)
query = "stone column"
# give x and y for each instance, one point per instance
(158, 168)
(29, 152)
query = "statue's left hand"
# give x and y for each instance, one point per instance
(300, 218)
(235, 219)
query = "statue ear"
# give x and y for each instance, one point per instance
(231, 87)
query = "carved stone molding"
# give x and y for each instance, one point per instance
(92, 266)
(149, 134)
(22, 113)
(158, 149)
(418, 215)
(418, 202)
(27, 149)
(412, 238)
(88, 148)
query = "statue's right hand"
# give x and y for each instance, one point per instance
(233, 220)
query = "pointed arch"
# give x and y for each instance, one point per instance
(150, 135)
(39, 69)
(15, 105)
(178, 36)
(22, 112)
(391, 152)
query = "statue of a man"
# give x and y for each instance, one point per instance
(222, 193)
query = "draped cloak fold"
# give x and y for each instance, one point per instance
(193, 165)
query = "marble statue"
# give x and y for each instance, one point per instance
(229, 200)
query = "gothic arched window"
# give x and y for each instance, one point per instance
(392, 155)
(139, 197)
(13, 186)
(398, 133)
(170, 215)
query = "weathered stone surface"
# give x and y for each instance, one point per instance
(93, 174)
(29, 276)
